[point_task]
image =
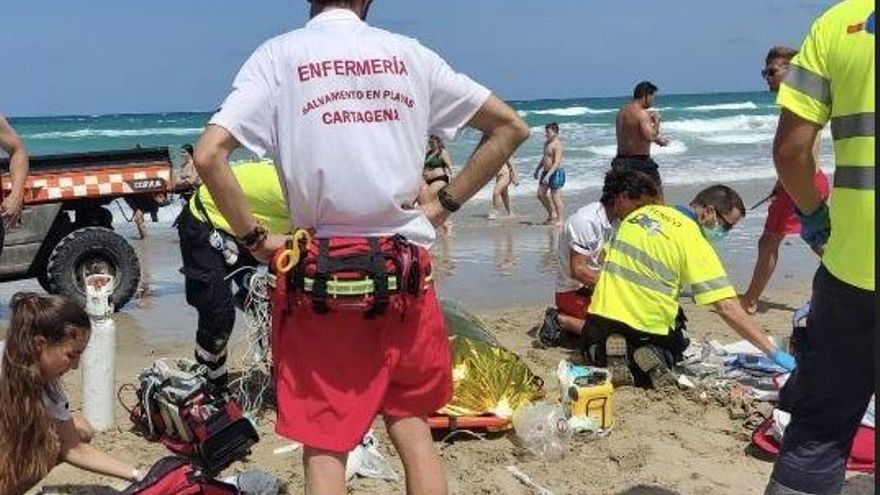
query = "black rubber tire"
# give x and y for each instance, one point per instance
(105, 251)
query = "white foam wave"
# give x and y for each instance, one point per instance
(610, 150)
(674, 148)
(740, 138)
(116, 133)
(568, 111)
(746, 105)
(736, 123)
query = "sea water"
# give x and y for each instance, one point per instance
(713, 137)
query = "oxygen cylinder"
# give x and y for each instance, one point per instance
(99, 357)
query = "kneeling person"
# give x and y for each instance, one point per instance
(657, 251)
(210, 254)
(580, 250)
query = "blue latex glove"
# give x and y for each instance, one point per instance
(784, 360)
(815, 227)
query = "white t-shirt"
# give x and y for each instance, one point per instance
(57, 407)
(586, 233)
(344, 110)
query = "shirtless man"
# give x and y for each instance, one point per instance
(637, 129)
(10, 208)
(552, 176)
(782, 220)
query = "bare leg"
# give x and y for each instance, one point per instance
(571, 324)
(138, 218)
(325, 472)
(545, 202)
(558, 205)
(500, 192)
(505, 196)
(424, 471)
(768, 255)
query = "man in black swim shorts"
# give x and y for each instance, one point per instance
(637, 129)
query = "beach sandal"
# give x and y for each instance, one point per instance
(648, 361)
(618, 364)
(550, 333)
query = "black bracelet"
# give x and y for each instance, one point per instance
(447, 202)
(254, 238)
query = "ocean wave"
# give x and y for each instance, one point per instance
(736, 123)
(116, 133)
(740, 138)
(610, 150)
(746, 105)
(568, 111)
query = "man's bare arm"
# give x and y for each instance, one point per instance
(736, 318)
(651, 129)
(212, 162)
(18, 170)
(793, 152)
(581, 270)
(503, 132)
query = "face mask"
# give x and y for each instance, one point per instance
(713, 234)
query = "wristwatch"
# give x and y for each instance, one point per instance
(447, 202)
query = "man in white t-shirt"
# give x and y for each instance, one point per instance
(343, 109)
(581, 246)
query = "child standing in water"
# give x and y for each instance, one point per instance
(46, 337)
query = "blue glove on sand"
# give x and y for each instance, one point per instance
(783, 360)
(815, 227)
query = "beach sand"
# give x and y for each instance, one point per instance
(504, 271)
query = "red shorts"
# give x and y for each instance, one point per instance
(781, 217)
(336, 372)
(574, 303)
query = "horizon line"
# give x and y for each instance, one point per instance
(511, 101)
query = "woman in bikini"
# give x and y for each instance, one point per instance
(438, 169)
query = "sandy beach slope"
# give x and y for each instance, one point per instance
(504, 271)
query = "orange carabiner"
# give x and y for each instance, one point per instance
(290, 257)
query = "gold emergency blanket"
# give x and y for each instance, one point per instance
(488, 378)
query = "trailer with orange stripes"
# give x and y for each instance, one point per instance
(66, 231)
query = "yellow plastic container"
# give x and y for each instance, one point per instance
(591, 402)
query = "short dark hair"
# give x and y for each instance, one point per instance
(722, 198)
(780, 52)
(643, 89)
(552, 126)
(632, 183)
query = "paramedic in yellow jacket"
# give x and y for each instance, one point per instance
(657, 252)
(831, 81)
(210, 253)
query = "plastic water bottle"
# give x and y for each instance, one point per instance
(543, 430)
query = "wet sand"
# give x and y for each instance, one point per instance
(505, 271)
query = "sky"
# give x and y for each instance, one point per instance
(88, 57)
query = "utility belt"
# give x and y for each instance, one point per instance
(366, 274)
